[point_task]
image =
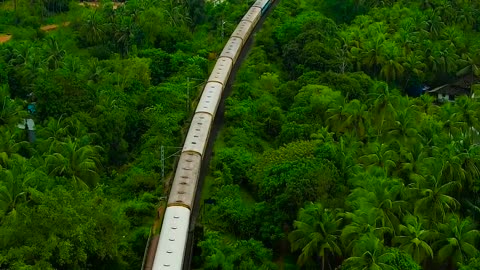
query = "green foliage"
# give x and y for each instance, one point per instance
(316, 234)
(109, 88)
(319, 113)
(401, 260)
(242, 254)
(86, 231)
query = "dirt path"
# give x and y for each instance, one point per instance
(51, 27)
(47, 28)
(4, 38)
(97, 4)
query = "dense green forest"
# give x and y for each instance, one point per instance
(109, 88)
(331, 156)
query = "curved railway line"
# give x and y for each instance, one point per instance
(176, 235)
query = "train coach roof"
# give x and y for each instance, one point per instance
(253, 15)
(171, 246)
(212, 93)
(261, 3)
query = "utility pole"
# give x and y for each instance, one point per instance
(162, 154)
(163, 158)
(223, 28)
(188, 94)
(188, 89)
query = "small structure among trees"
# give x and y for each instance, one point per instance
(462, 87)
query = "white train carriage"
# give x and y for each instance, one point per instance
(221, 71)
(243, 30)
(211, 96)
(171, 246)
(197, 137)
(253, 15)
(185, 180)
(263, 4)
(232, 49)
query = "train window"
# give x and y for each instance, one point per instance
(189, 160)
(169, 251)
(209, 96)
(176, 217)
(183, 183)
(166, 265)
(197, 129)
(199, 123)
(181, 192)
(201, 117)
(184, 176)
(173, 228)
(194, 143)
(195, 136)
(171, 239)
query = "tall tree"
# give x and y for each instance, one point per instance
(316, 234)
(415, 239)
(80, 163)
(457, 241)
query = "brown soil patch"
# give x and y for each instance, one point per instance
(5, 38)
(97, 4)
(51, 27)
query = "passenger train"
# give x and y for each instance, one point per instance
(171, 247)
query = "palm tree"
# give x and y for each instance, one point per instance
(10, 144)
(435, 199)
(453, 37)
(369, 254)
(391, 62)
(12, 192)
(52, 134)
(452, 169)
(80, 163)
(55, 53)
(371, 52)
(337, 117)
(443, 59)
(426, 105)
(414, 66)
(382, 109)
(466, 18)
(457, 241)
(356, 117)
(470, 64)
(469, 153)
(450, 118)
(380, 155)
(467, 113)
(363, 221)
(382, 194)
(347, 149)
(434, 22)
(316, 233)
(11, 113)
(93, 28)
(16, 180)
(414, 239)
(412, 161)
(404, 129)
